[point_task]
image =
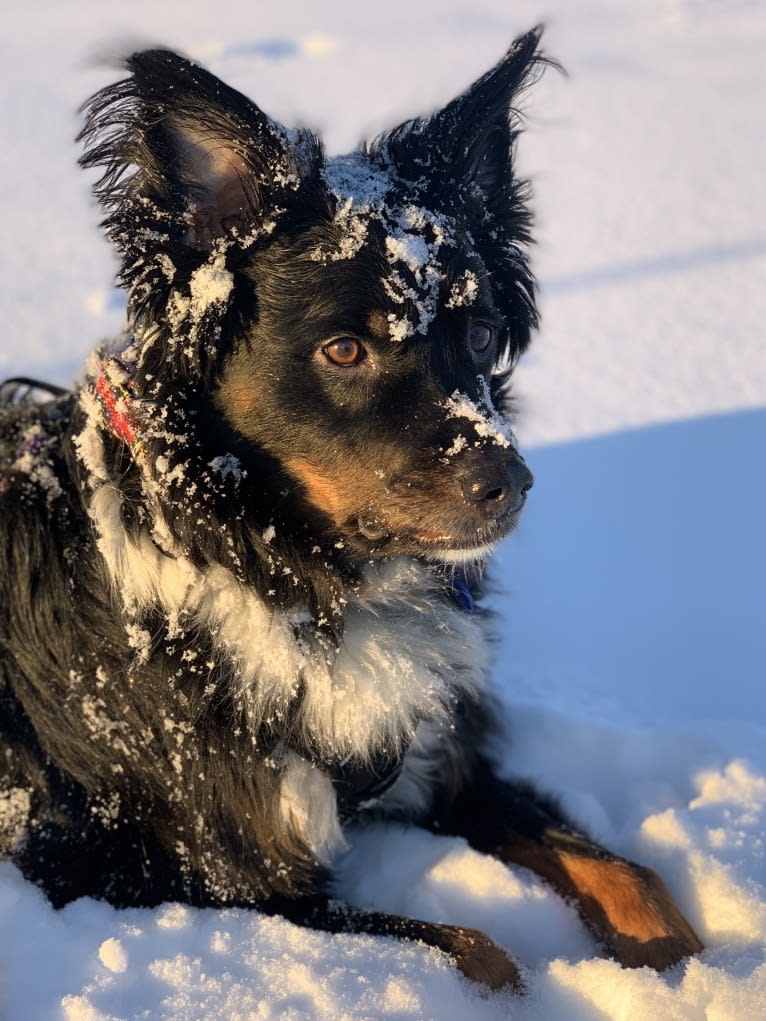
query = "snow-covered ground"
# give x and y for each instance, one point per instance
(632, 600)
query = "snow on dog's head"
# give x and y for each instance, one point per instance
(342, 329)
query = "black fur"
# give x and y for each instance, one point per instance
(224, 442)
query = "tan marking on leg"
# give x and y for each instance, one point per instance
(627, 906)
(634, 900)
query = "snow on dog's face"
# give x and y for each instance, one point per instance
(354, 320)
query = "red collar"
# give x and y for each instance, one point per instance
(113, 390)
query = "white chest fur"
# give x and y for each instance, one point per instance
(406, 652)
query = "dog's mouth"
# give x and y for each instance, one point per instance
(462, 543)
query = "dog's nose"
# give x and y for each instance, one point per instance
(497, 489)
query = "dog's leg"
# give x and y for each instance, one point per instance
(473, 953)
(626, 906)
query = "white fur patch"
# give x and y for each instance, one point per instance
(142, 574)
(308, 807)
(406, 653)
(463, 557)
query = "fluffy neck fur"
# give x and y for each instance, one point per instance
(406, 652)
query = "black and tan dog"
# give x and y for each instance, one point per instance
(238, 565)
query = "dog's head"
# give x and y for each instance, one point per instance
(343, 328)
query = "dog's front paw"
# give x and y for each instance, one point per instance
(652, 932)
(631, 912)
(478, 958)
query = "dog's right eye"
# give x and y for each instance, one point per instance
(344, 351)
(480, 336)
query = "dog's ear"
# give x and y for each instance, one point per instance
(461, 160)
(185, 154)
(193, 176)
(467, 148)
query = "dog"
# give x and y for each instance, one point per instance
(241, 563)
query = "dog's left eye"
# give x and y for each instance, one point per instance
(480, 336)
(344, 351)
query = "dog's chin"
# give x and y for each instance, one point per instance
(461, 556)
(453, 549)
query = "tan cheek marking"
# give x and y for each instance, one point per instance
(322, 491)
(240, 401)
(340, 493)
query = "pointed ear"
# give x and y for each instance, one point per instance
(180, 148)
(461, 161)
(469, 144)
